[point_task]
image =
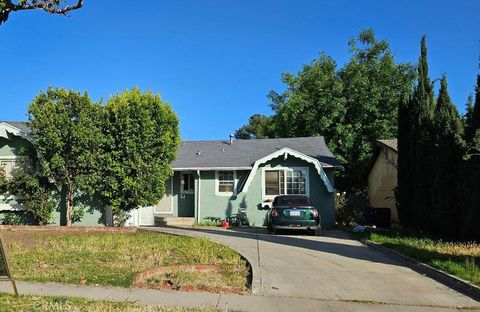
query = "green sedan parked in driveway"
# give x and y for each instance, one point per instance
(293, 212)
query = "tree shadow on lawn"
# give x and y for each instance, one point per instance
(342, 245)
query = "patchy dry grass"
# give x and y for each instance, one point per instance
(10, 303)
(460, 259)
(113, 258)
(213, 281)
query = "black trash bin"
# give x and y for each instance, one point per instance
(369, 216)
(382, 217)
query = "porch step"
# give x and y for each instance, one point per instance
(174, 221)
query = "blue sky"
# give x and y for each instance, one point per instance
(215, 61)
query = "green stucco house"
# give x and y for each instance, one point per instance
(216, 178)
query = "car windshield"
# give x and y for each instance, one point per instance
(293, 201)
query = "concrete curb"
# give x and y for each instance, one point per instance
(257, 278)
(441, 276)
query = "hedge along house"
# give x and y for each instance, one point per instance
(216, 178)
(213, 178)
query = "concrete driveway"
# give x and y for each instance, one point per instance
(332, 268)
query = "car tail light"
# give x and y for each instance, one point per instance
(314, 213)
(274, 213)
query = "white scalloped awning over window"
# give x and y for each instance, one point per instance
(285, 152)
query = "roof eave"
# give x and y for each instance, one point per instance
(210, 168)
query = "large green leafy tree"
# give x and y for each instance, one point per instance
(67, 137)
(312, 104)
(373, 85)
(352, 106)
(259, 127)
(141, 140)
(51, 6)
(447, 157)
(415, 149)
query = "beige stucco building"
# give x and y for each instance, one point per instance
(382, 177)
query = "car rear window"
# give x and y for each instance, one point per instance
(293, 201)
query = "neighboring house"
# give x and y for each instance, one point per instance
(382, 177)
(216, 178)
(16, 146)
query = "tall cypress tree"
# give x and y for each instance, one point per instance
(421, 107)
(447, 135)
(414, 149)
(476, 107)
(469, 178)
(468, 119)
(404, 170)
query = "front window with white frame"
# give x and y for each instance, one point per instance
(285, 181)
(225, 182)
(8, 165)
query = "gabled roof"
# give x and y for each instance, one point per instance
(391, 144)
(242, 154)
(20, 125)
(16, 128)
(286, 152)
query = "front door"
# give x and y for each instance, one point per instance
(186, 201)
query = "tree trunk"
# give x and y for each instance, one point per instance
(69, 206)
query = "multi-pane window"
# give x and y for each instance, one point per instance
(8, 166)
(188, 182)
(285, 182)
(272, 182)
(226, 181)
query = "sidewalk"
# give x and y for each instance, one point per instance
(203, 299)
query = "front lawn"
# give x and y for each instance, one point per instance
(114, 258)
(460, 259)
(9, 303)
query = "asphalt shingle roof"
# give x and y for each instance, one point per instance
(243, 153)
(20, 125)
(239, 154)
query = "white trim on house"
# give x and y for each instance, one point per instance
(211, 168)
(285, 152)
(305, 170)
(196, 210)
(235, 184)
(14, 157)
(6, 128)
(11, 207)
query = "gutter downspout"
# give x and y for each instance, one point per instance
(198, 196)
